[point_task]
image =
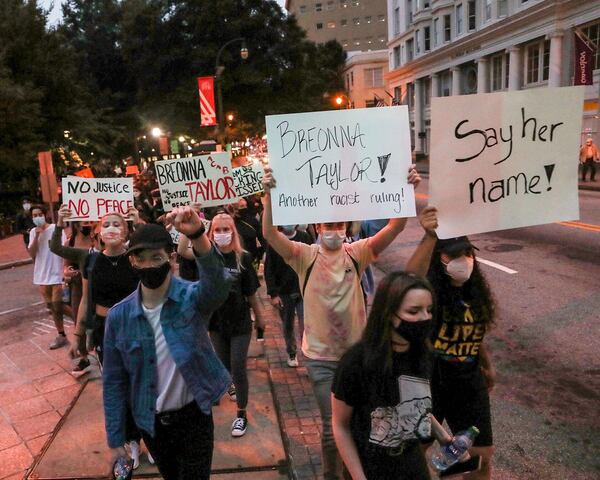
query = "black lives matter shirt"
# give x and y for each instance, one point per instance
(233, 317)
(389, 413)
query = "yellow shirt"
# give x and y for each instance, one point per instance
(334, 306)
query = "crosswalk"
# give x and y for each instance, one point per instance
(46, 326)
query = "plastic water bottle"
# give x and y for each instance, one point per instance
(123, 468)
(450, 454)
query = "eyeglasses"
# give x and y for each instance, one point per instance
(152, 261)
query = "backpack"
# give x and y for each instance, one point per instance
(310, 268)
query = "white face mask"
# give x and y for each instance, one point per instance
(110, 234)
(223, 239)
(27, 206)
(333, 239)
(39, 221)
(460, 269)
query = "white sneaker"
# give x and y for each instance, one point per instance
(134, 451)
(292, 361)
(150, 457)
(238, 427)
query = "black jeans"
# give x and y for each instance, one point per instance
(588, 165)
(233, 352)
(182, 445)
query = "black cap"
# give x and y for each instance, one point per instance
(454, 246)
(150, 236)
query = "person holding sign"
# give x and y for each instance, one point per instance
(329, 276)
(463, 373)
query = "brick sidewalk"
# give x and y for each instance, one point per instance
(12, 249)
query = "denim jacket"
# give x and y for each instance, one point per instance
(130, 355)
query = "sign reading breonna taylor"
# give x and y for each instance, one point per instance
(205, 179)
(91, 198)
(505, 160)
(340, 165)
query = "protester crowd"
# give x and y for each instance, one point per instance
(171, 327)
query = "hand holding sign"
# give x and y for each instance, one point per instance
(428, 220)
(64, 213)
(268, 181)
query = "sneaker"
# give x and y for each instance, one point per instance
(134, 451)
(82, 367)
(238, 427)
(231, 392)
(260, 334)
(150, 458)
(59, 341)
(292, 361)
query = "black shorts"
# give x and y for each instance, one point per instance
(459, 396)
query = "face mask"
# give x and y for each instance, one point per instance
(27, 206)
(289, 230)
(303, 227)
(460, 269)
(333, 239)
(153, 277)
(414, 332)
(223, 239)
(39, 221)
(85, 231)
(110, 234)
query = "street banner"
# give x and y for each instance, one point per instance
(163, 145)
(204, 179)
(174, 146)
(92, 198)
(248, 179)
(85, 173)
(504, 160)
(48, 183)
(206, 90)
(584, 61)
(340, 165)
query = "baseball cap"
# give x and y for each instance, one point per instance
(149, 236)
(454, 246)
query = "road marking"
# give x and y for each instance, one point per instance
(582, 226)
(21, 308)
(502, 268)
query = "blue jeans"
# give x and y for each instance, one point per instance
(292, 306)
(321, 374)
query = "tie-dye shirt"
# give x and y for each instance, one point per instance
(334, 306)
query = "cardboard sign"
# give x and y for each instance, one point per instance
(205, 179)
(248, 179)
(92, 198)
(340, 165)
(505, 160)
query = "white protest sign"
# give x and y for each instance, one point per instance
(248, 179)
(340, 165)
(205, 179)
(91, 198)
(176, 235)
(505, 160)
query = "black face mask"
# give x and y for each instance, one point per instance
(153, 277)
(86, 231)
(414, 332)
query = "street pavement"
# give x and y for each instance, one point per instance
(545, 345)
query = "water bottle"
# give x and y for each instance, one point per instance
(123, 468)
(450, 454)
(65, 293)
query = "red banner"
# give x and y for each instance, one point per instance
(86, 173)
(132, 170)
(163, 145)
(208, 117)
(584, 62)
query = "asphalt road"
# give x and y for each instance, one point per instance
(546, 345)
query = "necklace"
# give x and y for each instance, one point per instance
(114, 260)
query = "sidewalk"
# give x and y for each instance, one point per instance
(13, 252)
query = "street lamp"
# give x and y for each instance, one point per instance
(219, 71)
(339, 100)
(156, 132)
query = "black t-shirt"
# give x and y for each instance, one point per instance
(112, 279)
(233, 317)
(389, 413)
(250, 231)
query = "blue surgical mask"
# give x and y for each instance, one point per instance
(39, 221)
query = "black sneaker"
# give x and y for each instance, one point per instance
(238, 427)
(82, 367)
(231, 392)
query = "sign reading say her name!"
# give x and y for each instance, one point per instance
(340, 165)
(248, 179)
(205, 179)
(91, 198)
(505, 160)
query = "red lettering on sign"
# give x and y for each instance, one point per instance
(211, 190)
(80, 209)
(113, 206)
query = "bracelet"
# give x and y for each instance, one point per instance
(198, 233)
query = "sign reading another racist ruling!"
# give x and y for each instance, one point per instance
(205, 179)
(248, 179)
(91, 198)
(340, 165)
(505, 160)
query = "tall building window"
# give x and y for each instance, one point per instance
(502, 8)
(488, 10)
(409, 13)
(373, 77)
(427, 38)
(472, 14)
(410, 95)
(417, 42)
(410, 53)
(345, 42)
(445, 83)
(369, 40)
(367, 19)
(302, 8)
(426, 3)
(318, 7)
(344, 22)
(499, 72)
(396, 20)
(344, 3)
(537, 62)
(397, 96)
(381, 18)
(355, 3)
(447, 28)
(330, 24)
(459, 19)
(381, 39)
(351, 79)
(593, 33)
(330, 5)
(426, 86)
(319, 26)
(396, 56)
(436, 29)
(356, 42)
(356, 21)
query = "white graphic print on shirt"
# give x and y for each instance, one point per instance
(410, 419)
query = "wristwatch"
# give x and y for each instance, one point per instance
(198, 233)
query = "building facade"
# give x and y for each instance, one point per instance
(355, 24)
(364, 78)
(458, 47)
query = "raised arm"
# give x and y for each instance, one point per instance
(72, 254)
(421, 258)
(183, 248)
(280, 243)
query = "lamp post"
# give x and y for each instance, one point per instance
(219, 71)
(339, 100)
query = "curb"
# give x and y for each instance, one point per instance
(17, 263)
